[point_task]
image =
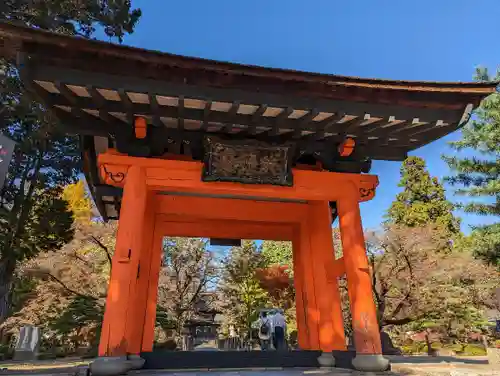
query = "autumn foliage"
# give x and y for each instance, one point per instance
(276, 281)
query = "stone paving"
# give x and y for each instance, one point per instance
(401, 366)
(398, 370)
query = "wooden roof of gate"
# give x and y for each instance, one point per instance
(96, 88)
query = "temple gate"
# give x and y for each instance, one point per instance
(178, 146)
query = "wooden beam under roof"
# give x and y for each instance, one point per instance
(180, 113)
(303, 121)
(162, 135)
(255, 117)
(206, 115)
(279, 122)
(134, 84)
(96, 96)
(69, 99)
(126, 105)
(153, 103)
(231, 117)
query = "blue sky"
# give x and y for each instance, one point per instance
(439, 40)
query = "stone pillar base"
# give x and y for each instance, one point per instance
(370, 363)
(326, 360)
(135, 361)
(110, 366)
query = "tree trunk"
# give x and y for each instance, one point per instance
(8, 261)
(6, 274)
(429, 344)
(4, 300)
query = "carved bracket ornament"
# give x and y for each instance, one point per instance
(247, 162)
(115, 177)
(366, 193)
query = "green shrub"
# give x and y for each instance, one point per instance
(414, 348)
(406, 349)
(456, 347)
(474, 350)
(437, 345)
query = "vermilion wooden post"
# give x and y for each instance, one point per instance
(306, 270)
(135, 328)
(124, 265)
(152, 290)
(331, 323)
(300, 294)
(364, 316)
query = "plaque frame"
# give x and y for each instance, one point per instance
(242, 155)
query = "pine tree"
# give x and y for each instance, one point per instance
(422, 201)
(479, 175)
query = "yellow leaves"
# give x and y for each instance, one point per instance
(78, 201)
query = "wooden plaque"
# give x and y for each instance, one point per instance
(247, 161)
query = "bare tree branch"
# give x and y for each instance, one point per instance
(104, 248)
(63, 285)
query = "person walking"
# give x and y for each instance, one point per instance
(265, 331)
(279, 326)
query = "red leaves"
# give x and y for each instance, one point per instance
(275, 279)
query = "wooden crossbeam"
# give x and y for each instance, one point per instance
(153, 102)
(66, 92)
(206, 115)
(323, 126)
(348, 126)
(278, 122)
(375, 126)
(393, 130)
(160, 136)
(401, 133)
(94, 93)
(180, 113)
(303, 121)
(434, 134)
(72, 99)
(254, 119)
(127, 104)
(231, 114)
(421, 129)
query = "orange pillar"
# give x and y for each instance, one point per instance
(328, 301)
(312, 315)
(124, 265)
(135, 331)
(300, 294)
(364, 316)
(152, 290)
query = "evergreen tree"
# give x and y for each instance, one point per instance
(45, 158)
(241, 291)
(422, 201)
(479, 176)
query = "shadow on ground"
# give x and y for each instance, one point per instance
(436, 359)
